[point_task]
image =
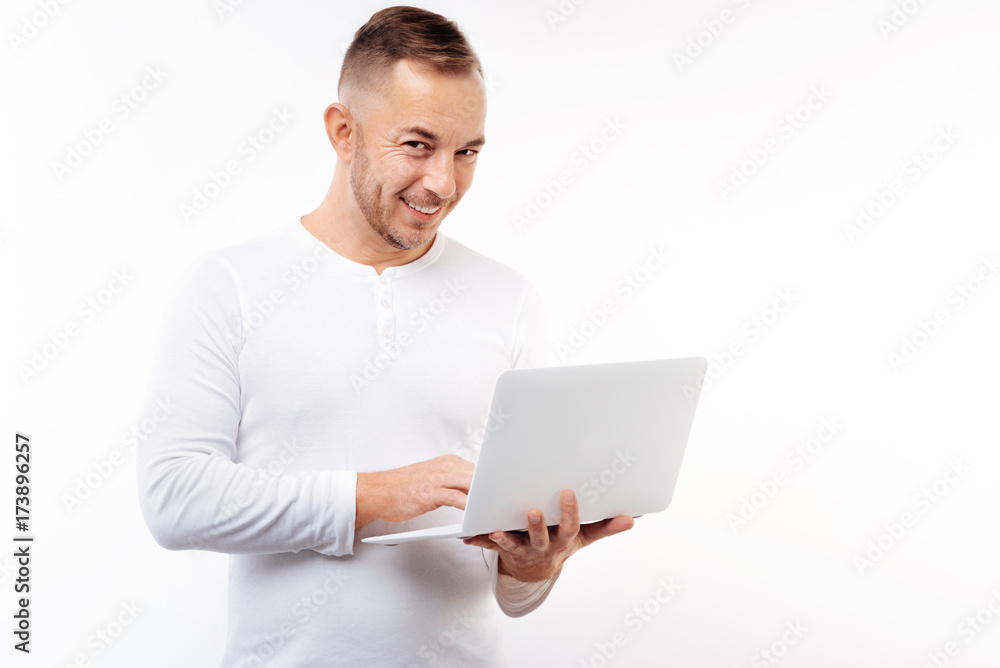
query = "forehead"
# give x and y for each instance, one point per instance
(451, 105)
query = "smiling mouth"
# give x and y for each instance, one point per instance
(426, 210)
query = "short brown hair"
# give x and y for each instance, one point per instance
(397, 33)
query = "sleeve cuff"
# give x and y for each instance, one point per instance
(338, 513)
(514, 597)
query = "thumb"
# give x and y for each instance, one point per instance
(590, 533)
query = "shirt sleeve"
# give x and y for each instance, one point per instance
(531, 349)
(192, 492)
(514, 597)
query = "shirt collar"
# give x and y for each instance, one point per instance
(432, 254)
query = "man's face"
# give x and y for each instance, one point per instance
(420, 144)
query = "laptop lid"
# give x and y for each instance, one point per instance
(615, 433)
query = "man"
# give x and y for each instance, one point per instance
(325, 374)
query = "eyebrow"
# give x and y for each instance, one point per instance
(430, 136)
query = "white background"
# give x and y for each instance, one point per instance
(683, 128)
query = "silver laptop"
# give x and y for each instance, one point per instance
(614, 433)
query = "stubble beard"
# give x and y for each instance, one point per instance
(368, 193)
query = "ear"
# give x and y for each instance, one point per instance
(340, 130)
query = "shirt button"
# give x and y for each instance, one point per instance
(385, 303)
(383, 280)
(387, 332)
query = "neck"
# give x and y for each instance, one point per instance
(340, 224)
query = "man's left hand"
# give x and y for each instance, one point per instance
(539, 554)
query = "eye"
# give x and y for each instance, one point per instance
(469, 152)
(411, 143)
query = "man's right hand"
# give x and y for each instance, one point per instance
(407, 492)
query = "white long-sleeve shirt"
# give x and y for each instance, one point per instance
(292, 368)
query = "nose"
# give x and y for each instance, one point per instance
(439, 178)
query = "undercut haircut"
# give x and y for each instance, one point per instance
(398, 33)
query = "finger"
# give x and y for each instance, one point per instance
(619, 524)
(483, 542)
(460, 461)
(453, 476)
(505, 540)
(598, 530)
(457, 465)
(448, 497)
(569, 521)
(538, 533)
(445, 471)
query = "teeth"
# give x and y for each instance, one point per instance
(422, 209)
